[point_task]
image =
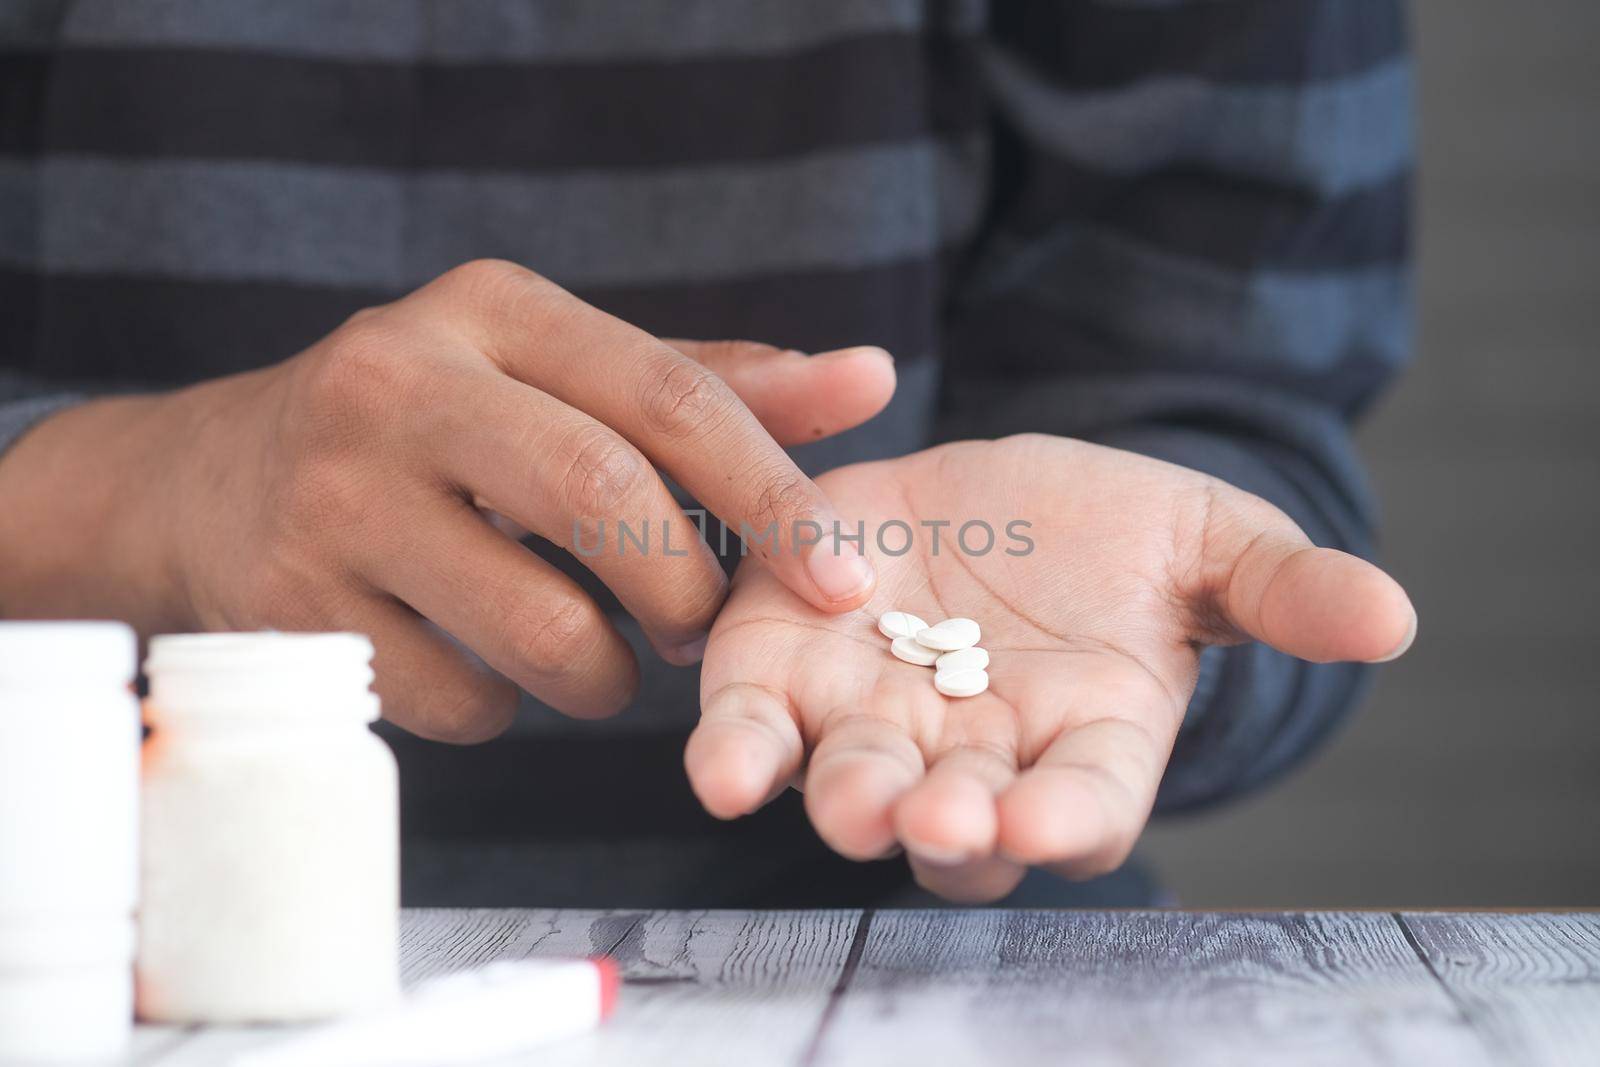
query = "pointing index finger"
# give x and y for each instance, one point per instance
(680, 415)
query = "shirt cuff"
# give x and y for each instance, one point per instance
(19, 416)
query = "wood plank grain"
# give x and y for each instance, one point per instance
(438, 940)
(1529, 983)
(722, 987)
(954, 987)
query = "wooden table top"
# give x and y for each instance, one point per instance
(940, 988)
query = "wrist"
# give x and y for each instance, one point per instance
(81, 528)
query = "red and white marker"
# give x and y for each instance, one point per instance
(493, 1011)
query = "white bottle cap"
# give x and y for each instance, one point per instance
(67, 653)
(219, 675)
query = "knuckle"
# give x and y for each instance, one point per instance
(602, 473)
(364, 370)
(471, 710)
(685, 398)
(784, 498)
(487, 274)
(558, 638)
(495, 299)
(492, 286)
(363, 315)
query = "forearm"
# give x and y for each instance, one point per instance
(81, 531)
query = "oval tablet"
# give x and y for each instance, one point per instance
(963, 659)
(893, 624)
(950, 635)
(967, 683)
(907, 649)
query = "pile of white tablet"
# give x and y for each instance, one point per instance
(950, 648)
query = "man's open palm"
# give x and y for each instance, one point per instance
(1094, 636)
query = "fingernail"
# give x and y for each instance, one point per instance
(939, 857)
(1405, 642)
(839, 570)
(839, 353)
(688, 654)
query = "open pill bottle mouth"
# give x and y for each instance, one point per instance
(285, 675)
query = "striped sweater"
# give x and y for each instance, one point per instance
(1173, 226)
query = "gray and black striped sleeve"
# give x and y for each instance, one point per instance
(1198, 251)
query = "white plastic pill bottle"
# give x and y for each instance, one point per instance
(270, 831)
(69, 790)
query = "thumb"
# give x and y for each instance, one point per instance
(1319, 604)
(797, 397)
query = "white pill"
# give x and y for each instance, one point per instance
(906, 648)
(963, 659)
(967, 683)
(950, 635)
(893, 624)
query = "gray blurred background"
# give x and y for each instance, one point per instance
(1472, 776)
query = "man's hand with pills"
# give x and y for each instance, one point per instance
(1093, 612)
